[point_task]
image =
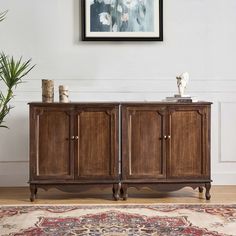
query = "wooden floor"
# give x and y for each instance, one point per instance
(220, 194)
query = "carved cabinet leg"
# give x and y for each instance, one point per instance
(116, 190)
(124, 191)
(200, 189)
(33, 192)
(208, 187)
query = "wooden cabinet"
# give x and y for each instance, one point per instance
(96, 155)
(143, 148)
(188, 143)
(73, 145)
(51, 146)
(164, 146)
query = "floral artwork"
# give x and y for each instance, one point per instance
(123, 19)
(121, 16)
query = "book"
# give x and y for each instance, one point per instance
(183, 96)
(185, 99)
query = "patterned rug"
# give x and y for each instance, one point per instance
(118, 220)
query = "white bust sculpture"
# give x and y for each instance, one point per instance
(182, 82)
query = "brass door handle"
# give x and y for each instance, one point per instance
(72, 138)
(76, 137)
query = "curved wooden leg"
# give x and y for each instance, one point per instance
(200, 189)
(116, 190)
(124, 191)
(208, 187)
(33, 191)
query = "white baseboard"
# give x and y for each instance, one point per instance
(224, 178)
(14, 174)
(14, 180)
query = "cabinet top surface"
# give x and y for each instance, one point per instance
(120, 103)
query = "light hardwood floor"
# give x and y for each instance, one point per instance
(220, 194)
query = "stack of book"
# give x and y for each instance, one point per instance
(183, 99)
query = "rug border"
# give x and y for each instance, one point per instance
(121, 204)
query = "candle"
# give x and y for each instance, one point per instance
(63, 93)
(47, 90)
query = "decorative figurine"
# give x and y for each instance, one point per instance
(182, 82)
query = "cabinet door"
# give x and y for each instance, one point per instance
(143, 144)
(188, 146)
(97, 143)
(51, 149)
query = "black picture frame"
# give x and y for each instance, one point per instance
(100, 37)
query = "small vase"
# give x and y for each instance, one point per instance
(63, 94)
(47, 91)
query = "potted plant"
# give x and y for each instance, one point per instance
(11, 73)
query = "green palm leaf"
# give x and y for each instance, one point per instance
(3, 15)
(11, 73)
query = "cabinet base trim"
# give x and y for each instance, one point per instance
(74, 188)
(169, 181)
(72, 182)
(166, 187)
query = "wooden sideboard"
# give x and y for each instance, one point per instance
(74, 146)
(164, 146)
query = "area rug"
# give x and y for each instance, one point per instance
(118, 220)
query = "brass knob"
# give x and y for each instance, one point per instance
(165, 137)
(72, 137)
(169, 136)
(76, 137)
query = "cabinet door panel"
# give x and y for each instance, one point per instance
(188, 144)
(97, 150)
(143, 154)
(52, 157)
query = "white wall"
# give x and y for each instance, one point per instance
(199, 37)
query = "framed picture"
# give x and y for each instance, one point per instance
(122, 20)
